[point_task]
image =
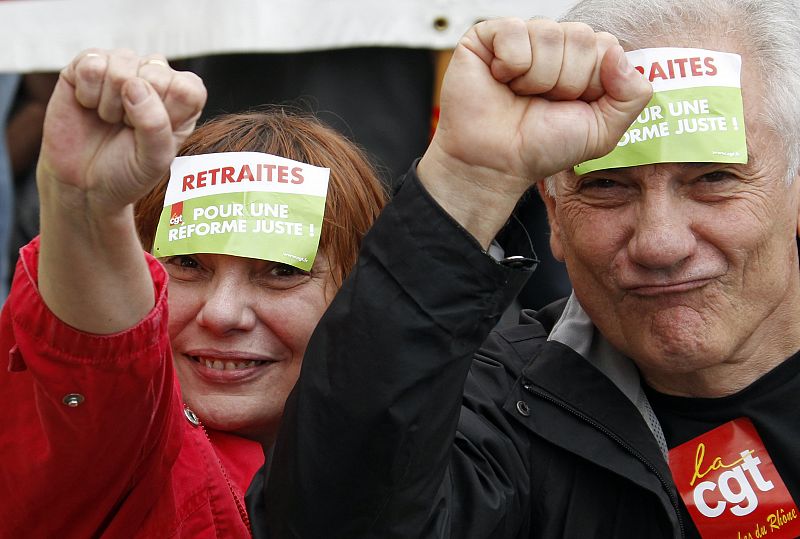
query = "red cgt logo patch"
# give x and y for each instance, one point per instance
(731, 487)
(176, 214)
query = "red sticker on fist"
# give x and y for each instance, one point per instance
(731, 487)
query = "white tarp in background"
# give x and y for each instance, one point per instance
(43, 35)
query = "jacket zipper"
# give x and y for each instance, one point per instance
(530, 388)
(239, 504)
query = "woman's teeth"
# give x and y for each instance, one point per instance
(228, 365)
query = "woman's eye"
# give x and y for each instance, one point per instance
(184, 261)
(285, 270)
(284, 276)
(181, 266)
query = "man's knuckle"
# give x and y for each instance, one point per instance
(580, 35)
(548, 32)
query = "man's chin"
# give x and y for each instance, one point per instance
(677, 340)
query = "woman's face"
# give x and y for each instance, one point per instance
(239, 329)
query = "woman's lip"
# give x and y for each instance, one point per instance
(228, 375)
(228, 355)
(667, 288)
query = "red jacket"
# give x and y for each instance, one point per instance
(94, 439)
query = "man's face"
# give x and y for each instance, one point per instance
(686, 266)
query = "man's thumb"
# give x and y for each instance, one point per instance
(627, 93)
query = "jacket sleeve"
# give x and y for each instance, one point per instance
(368, 445)
(89, 431)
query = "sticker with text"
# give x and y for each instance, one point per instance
(245, 204)
(696, 113)
(731, 487)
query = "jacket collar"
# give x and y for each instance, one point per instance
(594, 403)
(575, 330)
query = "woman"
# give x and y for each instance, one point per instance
(104, 440)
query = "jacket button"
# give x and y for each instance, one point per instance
(191, 417)
(73, 400)
(523, 409)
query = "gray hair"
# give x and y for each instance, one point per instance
(767, 30)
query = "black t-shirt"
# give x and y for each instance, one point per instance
(773, 405)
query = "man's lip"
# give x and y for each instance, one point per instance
(659, 289)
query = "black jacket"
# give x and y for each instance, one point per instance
(408, 422)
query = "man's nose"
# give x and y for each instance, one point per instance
(226, 308)
(662, 237)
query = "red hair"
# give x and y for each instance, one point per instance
(355, 194)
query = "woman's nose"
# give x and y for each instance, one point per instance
(226, 307)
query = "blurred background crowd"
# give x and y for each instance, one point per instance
(369, 69)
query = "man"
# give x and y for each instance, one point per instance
(684, 316)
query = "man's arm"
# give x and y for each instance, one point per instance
(367, 434)
(367, 444)
(520, 102)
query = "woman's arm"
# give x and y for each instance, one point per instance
(93, 429)
(93, 425)
(111, 129)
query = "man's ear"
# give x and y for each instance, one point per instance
(797, 229)
(796, 187)
(552, 220)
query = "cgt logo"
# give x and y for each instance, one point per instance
(176, 214)
(730, 485)
(735, 485)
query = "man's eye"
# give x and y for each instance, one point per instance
(600, 183)
(715, 177)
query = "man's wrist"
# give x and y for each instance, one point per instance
(462, 192)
